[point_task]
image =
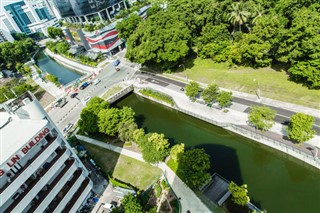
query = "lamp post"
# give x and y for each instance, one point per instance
(258, 92)
(184, 69)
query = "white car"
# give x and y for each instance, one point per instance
(86, 99)
(96, 81)
(68, 127)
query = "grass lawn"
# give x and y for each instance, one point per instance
(123, 168)
(111, 92)
(273, 84)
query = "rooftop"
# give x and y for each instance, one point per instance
(16, 133)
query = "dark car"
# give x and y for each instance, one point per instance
(84, 85)
(73, 95)
(116, 62)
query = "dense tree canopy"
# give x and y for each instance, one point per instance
(255, 33)
(161, 40)
(54, 32)
(127, 26)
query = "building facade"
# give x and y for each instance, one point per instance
(39, 172)
(5, 35)
(82, 11)
(27, 17)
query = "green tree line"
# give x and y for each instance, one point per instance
(255, 33)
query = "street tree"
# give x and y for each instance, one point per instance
(239, 193)
(126, 130)
(96, 104)
(300, 127)
(224, 98)
(192, 90)
(210, 93)
(131, 204)
(176, 152)
(54, 32)
(261, 117)
(128, 25)
(194, 167)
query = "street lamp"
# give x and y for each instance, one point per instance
(258, 92)
(184, 69)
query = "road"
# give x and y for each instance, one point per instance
(70, 113)
(282, 115)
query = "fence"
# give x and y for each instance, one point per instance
(120, 94)
(312, 160)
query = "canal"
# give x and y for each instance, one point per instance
(276, 182)
(48, 65)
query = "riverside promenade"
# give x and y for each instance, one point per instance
(189, 200)
(237, 122)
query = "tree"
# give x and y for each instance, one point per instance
(210, 93)
(109, 120)
(127, 26)
(131, 204)
(126, 130)
(126, 114)
(194, 167)
(154, 147)
(161, 40)
(239, 193)
(300, 127)
(54, 32)
(96, 104)
(192, 90)
(261, 117)
(224, 98)
(88, 120)
(62, 47)
(19, 36)
(53, 79)
(239, 14)
(138, 135)
(176, 152)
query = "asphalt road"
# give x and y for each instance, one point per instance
(282, 115)
(70, 113)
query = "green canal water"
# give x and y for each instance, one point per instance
(276, 182)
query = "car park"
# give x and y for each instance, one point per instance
(68, 127)
(84, 85)
(73, 95)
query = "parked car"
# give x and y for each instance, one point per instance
(68, 127)
(84, 85)
(117, 68)
(96, 81)
(72, 95)
(116, 62)
(86, 99)
(60, 102)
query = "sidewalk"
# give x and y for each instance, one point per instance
(232, 117)
(263, 100)
(189, 200)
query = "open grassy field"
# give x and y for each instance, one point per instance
(273, 84)
(123, 168)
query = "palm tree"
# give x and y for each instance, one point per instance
(258, 12)
(239, 15)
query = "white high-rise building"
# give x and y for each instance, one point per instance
(39, 172)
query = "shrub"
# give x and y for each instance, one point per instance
(157, 95)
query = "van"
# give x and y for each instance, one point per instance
(108, 206)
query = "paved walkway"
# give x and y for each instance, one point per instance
(189, 200)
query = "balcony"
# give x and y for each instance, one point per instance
(12, 179)
(38, 202)
(34, 182)
(76, 196)
(63, 192)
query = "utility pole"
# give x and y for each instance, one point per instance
(184, 69)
